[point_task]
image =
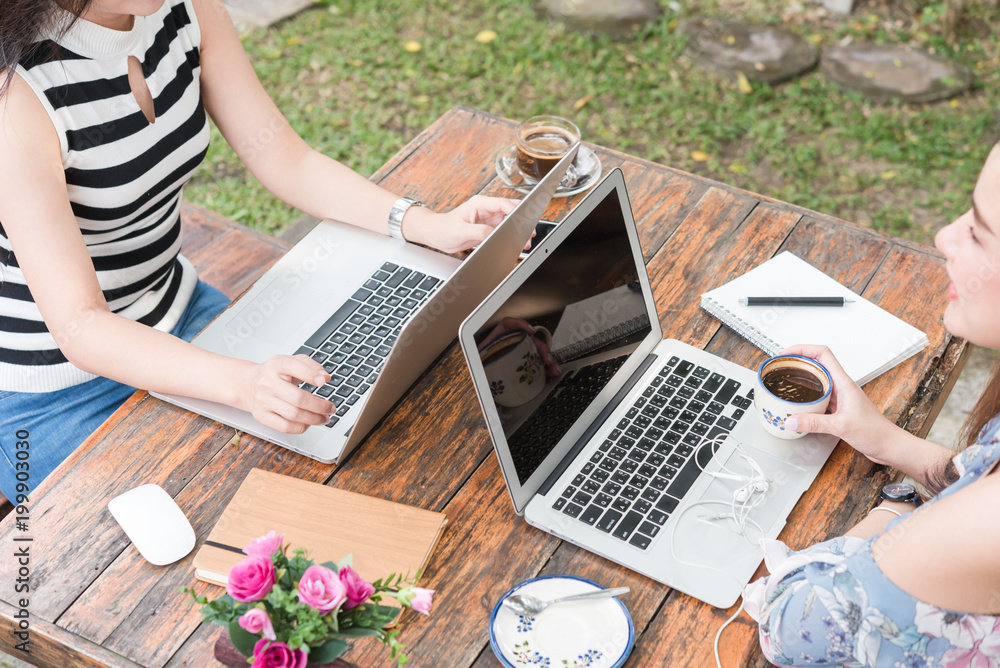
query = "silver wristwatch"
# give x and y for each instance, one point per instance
(399, 209)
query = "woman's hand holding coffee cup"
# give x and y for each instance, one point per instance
(850, 415)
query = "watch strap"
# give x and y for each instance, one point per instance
(396, 214)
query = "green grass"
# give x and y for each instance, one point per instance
(343, 77)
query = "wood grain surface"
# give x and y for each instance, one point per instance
(94, 601)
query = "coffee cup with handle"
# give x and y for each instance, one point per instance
(514, 367)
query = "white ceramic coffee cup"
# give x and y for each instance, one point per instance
(515, 370)
(772, 410)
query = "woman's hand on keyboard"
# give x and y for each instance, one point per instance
(272, 394)
(462, 228)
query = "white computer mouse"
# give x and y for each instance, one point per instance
(154, 523)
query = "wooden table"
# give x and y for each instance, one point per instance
(94, 601)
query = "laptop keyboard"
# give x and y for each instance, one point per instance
(638, 476)
(353, 343)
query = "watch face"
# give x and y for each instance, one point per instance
(898, 490)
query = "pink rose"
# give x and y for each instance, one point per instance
(269, 654)
(256, 620)
(417, 598)
(358, 590)
(265, 546)
(321, 589)
(422, 601)
(251, 579)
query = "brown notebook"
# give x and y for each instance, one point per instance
(383, 536)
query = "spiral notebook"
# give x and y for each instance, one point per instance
(866, 339)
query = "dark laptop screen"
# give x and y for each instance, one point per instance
(583, 305)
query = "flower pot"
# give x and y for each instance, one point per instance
(230, 657)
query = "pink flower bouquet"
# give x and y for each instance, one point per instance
(288, 612)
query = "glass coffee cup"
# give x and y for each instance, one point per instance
(541, 142)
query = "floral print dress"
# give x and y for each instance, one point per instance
(831, 605)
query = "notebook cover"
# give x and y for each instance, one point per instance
(383, 536)
(866, 339)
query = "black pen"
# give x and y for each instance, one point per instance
(795, 301)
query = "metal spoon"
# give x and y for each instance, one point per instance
(529, 606)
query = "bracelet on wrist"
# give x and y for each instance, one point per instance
(888, 510)
(396, 214)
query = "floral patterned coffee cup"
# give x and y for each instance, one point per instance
(514, 368)
(789, 385)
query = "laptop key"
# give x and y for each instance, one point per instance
(572, 510)
(627, 525)
(609, 520)
(560, 502)
(398, 277)
(591, 515)
(630, 493)
(640, 540)
(727, 392)
(649, 529)
(333, 421)
(603, 500)
(353, 399)
(700, 372)
(642, 506)
(413, 280)
(658, 484)
(591, 487)
(667, 504)
(429, 283)
(325, 391)
(364, 388)
(344, 391)
(342, 411)
(582, 498)
(657, 517)
(620, 477)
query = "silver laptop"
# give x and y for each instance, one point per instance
(375, 311)
(622, 449)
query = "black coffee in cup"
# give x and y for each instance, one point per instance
(541, 142)
(794, 384)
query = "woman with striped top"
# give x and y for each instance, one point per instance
(102, 120)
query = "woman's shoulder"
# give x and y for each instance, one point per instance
(980, 457)
(21, 108)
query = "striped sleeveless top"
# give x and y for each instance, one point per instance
(124, 177)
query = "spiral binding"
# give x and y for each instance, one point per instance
(740, 326)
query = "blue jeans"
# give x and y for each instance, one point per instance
(38, 430)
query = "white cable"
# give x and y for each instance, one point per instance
(752, 492)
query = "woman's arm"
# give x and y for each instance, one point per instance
(57, 267)
(300, 176)
(853, 418)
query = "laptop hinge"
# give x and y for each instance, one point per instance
(595, 425)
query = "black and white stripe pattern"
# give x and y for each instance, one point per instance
(124, 178)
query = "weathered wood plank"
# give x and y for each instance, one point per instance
(53, 647)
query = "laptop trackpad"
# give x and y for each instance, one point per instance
(718, 537)
(267, 316)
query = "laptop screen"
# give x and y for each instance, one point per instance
(583, 305)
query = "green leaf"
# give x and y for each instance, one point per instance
(332, 566)
(242, 639)
(328, 651)
(348, 560)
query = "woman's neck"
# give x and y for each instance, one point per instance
(114, 21)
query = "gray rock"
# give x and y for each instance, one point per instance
(839, 6)
(761, 52)
(883, 72)
(615, 18)
(263, 12)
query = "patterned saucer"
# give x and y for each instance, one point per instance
(584, 634)
(585, 172)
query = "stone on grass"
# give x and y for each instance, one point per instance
(883, 72)
(263, 13)
(761, 52)
(839, 6)
(615, 18)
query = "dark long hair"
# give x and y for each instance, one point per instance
(19, 23)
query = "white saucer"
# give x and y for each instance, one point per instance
(584, 634)
(580, 176)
